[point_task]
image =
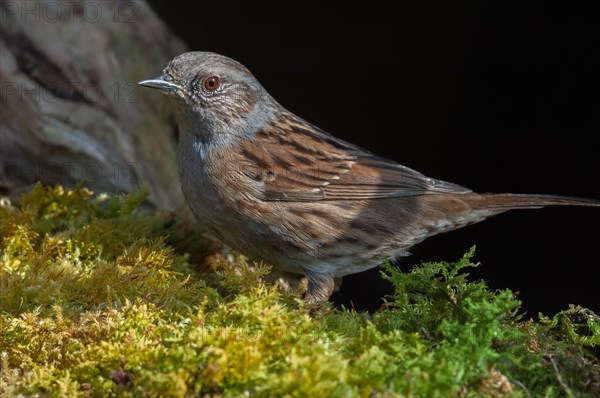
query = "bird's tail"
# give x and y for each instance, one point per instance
(446, 212)
(509, 201)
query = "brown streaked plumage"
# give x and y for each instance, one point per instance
(279, 189)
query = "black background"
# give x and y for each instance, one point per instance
(497, 97)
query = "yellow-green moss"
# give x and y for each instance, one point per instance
(96, 300)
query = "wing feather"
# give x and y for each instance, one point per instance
(299, 162)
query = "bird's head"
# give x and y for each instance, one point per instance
(212, 93)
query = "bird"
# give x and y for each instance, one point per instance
(280, 190)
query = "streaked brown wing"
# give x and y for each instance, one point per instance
(299, 162)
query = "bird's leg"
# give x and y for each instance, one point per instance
(320, 287)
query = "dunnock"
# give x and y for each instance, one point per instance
(279, 189)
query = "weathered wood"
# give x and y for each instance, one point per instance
(70, 107)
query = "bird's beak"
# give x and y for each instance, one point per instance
(162, 83)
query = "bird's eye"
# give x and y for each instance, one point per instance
(212, 83)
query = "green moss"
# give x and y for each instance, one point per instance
(97, 299)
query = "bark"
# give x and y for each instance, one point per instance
(70, 107)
